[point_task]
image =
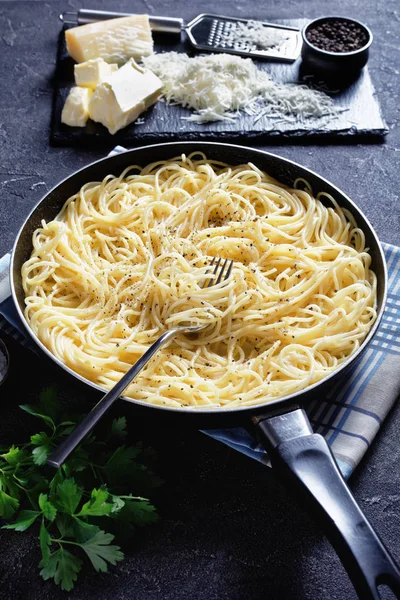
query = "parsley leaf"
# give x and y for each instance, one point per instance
(117, 504)
(68, 496)
(47, 508)
(40, 439)
(134, 513)
(8, 483)
(34, 413)
(8, 505)
(118, 428)
(97, 505)
(65, 525)
(44, 540)
(58, 478)
(81, 530)
(25, 519)
(14, 456)
(120, 462)
(48, 402)
(73, 506)
(62, 566)
(40, 455)
(138, 511)
(43, 443)
(99, 551)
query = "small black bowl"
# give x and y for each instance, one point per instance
(335, 63)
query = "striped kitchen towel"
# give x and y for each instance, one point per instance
(350, 414)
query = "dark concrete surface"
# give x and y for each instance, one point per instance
(229, 531)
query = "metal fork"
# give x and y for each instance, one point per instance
(220, 273)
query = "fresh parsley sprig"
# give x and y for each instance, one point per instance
(75, 507)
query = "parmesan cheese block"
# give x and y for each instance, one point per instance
(114, 40)
(76, 108)
(92, 72)
(120, 99)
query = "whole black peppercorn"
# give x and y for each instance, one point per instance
(338, 36)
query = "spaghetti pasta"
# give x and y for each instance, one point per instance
(125, 258)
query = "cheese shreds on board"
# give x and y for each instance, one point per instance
(114, 40)
(254, 33)
(218, 86)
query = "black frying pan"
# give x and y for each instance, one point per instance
(301, 458)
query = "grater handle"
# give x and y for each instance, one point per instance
(87, 15)
(166, 24)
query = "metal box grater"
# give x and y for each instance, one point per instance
(206, 32)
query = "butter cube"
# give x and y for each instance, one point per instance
(92, 72)
(76, 108)
(121, 98)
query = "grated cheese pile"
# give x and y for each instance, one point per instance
(218, 86)
(254, 33)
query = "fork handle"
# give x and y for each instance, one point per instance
(59, 455)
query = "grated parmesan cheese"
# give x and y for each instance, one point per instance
(218, 86)
(253, 33)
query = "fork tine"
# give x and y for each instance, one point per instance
(210, 283)
(221, 272)
(229, 271)
(203, 285)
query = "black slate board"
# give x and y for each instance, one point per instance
(361, 116)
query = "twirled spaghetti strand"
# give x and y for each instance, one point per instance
(125, 259)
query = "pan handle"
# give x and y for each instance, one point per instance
(304, 460)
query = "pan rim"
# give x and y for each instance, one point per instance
(293, 398)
